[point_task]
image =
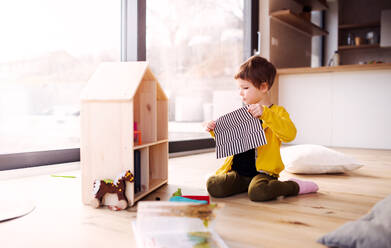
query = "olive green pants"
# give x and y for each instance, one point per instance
(262, 187)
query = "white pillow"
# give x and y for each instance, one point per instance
(316, 159)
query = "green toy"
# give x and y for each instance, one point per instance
(178, 192)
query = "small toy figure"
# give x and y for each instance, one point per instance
(118, 186)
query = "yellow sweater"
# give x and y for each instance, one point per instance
(278, 128)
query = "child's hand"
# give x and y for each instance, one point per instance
(210, 126)
(255, 110)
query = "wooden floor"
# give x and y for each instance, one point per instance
(292, 221)
(61, 220)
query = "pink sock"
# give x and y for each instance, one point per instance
(305, 186)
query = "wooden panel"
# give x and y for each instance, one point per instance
(275, 5)
(158, 162)
(363, 25)
(296, 22)
(150, 144)
(153, 187)
(162, 119)
(105, 143)
(360, 11)
(288, 43)
(365, 46)
(136, 110)
(147, 111)
(314, 4)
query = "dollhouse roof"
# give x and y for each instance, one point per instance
(119, 81)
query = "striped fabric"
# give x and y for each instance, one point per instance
(237, 132)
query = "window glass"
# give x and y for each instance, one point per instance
(194, 48)
(49, 49)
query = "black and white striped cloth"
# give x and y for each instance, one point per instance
(237, 132)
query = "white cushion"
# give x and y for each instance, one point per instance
(316, 159)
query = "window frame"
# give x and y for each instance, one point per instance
(133, 48)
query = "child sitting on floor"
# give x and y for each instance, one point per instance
(256, 171)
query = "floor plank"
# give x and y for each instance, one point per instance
(61, 220)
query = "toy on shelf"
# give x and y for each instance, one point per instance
(118, 186)
(136, 134)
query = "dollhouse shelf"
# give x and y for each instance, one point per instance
(119, 98)
(296, 22)
(155, 185)
(149, 144)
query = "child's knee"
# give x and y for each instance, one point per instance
(215, 188)
(260, 193)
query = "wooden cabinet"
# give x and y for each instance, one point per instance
(297, 22)
(359, 32)
(286, 31)
(353, 35)
(118, 97)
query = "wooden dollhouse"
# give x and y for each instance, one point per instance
(124, 126)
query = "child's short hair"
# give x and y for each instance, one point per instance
(257, 70)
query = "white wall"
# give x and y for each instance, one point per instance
(345, 109)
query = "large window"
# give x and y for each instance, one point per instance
(194, 49)
(49, 49)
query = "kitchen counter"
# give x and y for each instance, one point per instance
(341, 68)
(341, 106)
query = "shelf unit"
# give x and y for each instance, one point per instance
(355, 26)
(364, 46)
(356, 22)
(118, 95)
(295, 21)
(356, 30)
(151, 116)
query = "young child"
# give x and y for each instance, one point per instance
(256, 171)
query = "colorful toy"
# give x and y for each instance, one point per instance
(178, 197)
(136, 134)
(198, 197)
(118, 186)
(178, 192)
(184, 199)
